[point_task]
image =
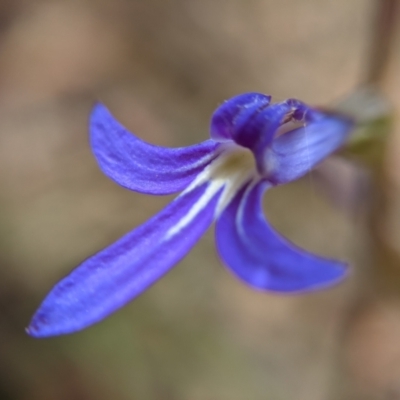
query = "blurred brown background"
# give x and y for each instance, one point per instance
(162, 66)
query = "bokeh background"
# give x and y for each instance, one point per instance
(162, 67)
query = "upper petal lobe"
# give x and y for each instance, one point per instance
(140, 166)
(224, 119)
(296, 152)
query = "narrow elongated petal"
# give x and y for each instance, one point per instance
(296, 152)
(114, 276)
(257, 254)
(140, 166)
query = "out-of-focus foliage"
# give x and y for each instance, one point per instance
(374, 119)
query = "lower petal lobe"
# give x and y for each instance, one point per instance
(114, 276)
(140, 166)
(250, 247)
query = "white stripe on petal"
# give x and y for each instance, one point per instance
(230, 171)
(240, 211)
(210, 192)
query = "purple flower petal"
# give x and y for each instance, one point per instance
(114, 276)
(140, 166)
(253, 123)
(262, 258)
(295, 153)
(223, 121)
(256, 127)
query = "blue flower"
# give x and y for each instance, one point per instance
(254, 146)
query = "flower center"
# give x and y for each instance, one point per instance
(233, 168)
(234, 160)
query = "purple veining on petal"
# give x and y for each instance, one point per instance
(114, 276)
(140, 166)
(295, 153)
(256, 128)
(252, 122)
(258, 255)
(223, 121)
(245, 241)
